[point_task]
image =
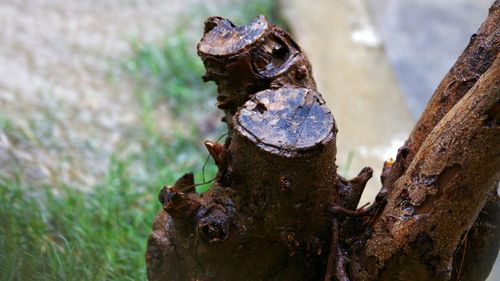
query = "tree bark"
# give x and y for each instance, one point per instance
(277, 209)
(477, 57)
(243, 60)
(264, 218)
(436, 201)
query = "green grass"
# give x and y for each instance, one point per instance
(62, 233)
(171, 72)
(73, 235)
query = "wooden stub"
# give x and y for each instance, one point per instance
(243, 60)
(283, 173)
(223, 38)
(442, 192)
(264, 218)
(287, 121)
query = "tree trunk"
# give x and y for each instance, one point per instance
(278, 210)
(477, 57)
(264, 218)
(438, 198)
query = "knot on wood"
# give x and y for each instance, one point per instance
(290, 240)
(214, 223)
(177, 204)
(286, 184)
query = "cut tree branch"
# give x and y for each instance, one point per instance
(264, 218)
(436, 201)
(277, 209)
(243, 60)
(477, 57)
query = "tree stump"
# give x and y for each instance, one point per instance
(278, 210)
(264, 218)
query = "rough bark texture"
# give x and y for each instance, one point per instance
(243, 60)
(278, 210)
(477, 57)
(436, 201)
(264, 218)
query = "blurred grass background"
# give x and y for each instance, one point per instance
(64, 233)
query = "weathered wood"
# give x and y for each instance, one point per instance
(477, 256)
(275, 227)
(243, 60)
(282, 140)
(436, 201)
(477, 57)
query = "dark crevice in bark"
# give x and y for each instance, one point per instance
(476, 257)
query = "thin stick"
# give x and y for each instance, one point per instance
(463, 258)
(208, 157)
(195, 185)
(330, 266)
